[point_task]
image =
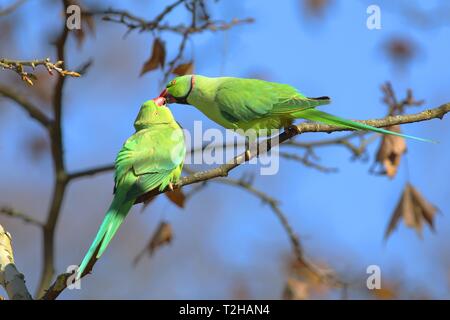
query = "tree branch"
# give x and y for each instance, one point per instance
(17, 214)
(32, 110)
(264, 146)
(90, 172)
(19, 67)
(61, 177)
(10, 278)
(133, 22)
(324, 275)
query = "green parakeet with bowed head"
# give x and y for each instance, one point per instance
(152, 158)
(237, 103)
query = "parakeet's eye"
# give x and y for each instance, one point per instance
(171, 83)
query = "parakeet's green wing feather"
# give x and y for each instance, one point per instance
(252, 99)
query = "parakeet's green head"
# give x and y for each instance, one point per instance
(153, 112)
(179, 89)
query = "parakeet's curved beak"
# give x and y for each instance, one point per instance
(169, 98)
(160, 101)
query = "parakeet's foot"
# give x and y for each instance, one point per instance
(170, 186)
(248, 155)
(292, 129)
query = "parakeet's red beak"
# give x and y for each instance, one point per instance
(160, 101)
(169, 98)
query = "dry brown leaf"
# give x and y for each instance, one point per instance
(157, 59)
(184, 68)
(316, 7)
(401, 50)
(37, 147)
(162, 236)
(414, 209)
(296, 289)
(177, 197)
(390, 152)
(312, 283)
(386, 292)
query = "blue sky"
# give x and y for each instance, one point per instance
(340, 217)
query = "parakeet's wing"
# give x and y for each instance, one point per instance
(251, 99)
(152, 154)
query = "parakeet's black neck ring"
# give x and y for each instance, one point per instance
(183, 99)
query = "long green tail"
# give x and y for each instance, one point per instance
(326, 118)
(111, 223)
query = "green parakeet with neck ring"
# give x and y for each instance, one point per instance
(238, 103)
(152, 158)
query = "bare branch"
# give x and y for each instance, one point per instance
(10, 212)
(32, 110)
(133, 22)
(61, 177)
(18, 66)
(305, 160)
(90, 172)
(323, 275)
(10, 278)
(264, 146)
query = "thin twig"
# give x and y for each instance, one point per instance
(90, 172)
(18, 66)
(323, 275)
(32, 110)
(10, 212)
(61, 177)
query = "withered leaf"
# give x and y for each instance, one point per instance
(162, 236)
(414, 209)
(303, 283)
(37, 147)
(401, 50)
(157, 59)
(316, 7)
(184, 68)
(386, 292)
(390, 152)
(296, 289)
(177, 197)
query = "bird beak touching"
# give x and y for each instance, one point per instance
(169, 98)
(160, 101)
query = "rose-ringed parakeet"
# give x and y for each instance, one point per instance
(152, 158)
(237, 103)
